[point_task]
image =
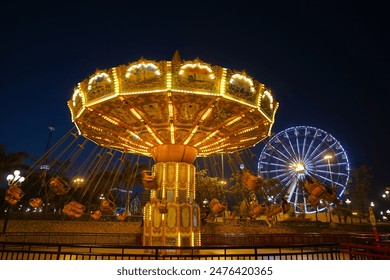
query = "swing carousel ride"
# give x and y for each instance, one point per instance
(158, 124)
(173, 112)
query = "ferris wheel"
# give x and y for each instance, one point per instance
(300, 152)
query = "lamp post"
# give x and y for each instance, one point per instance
(348, 202)
(328, 157)
(13, 180)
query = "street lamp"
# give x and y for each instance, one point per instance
(13, 194)
(15, 179)
(348, 202)
(78, 181)
(328, 157)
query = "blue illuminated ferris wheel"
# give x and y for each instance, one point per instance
(301, 151)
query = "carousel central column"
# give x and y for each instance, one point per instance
(171, 217)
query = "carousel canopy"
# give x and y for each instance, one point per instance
(147, 106)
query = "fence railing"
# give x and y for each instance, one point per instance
(95, 246)
(38, 251)
(375, 251)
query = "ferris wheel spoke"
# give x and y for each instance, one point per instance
(304, 142)
(297, 144)
(308, 152)
(289, 148)
(274, 157)
(277, 152)
(276, 164)
(325, 151)
(287, 155)
(314, 143)
(325, 179)
(316, 150)
(291, 188)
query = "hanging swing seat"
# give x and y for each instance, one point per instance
(257, 209)
(148, 180)
(107, 206)
(14, 194)
(73, 209)
(251, 181)
(320, 191)
(216, 207)
(122, 216)
(96, 215)
(58, 186)
(314, 201)
(35, 202)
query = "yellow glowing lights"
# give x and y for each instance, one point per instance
(248, 130)
(154, 135)
(135, 69)
(271, 99)
(238, 79)
(234, 120)
(299, 167)
(197, 67)
(172, 130)
(135, 113)
(110, 120)
(223, 81)
(77, 93)
(170, 110)
(177, 181)
(169, 76)
(191, 135)
(98, 78)
(207, 138)
(116, 81)
(118, 96)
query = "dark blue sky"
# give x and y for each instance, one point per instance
(325, 61)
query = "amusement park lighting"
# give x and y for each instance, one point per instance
(299, 167)
(78, 181)
(348, 202)
(15, 178)
(327, 157)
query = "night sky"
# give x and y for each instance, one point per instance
(326, 64)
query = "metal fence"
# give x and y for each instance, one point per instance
(114, 246)
(38, 251)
